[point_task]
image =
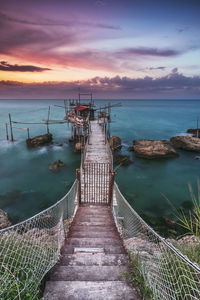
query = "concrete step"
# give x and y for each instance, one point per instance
(93, 242)
(82, 290)
(94, 260)
(93, 228)
(94, 223)
(90, 273)
(92, 234)
(108, 249)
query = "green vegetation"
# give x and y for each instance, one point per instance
(191, 221)
(137, 277)
(22, 264)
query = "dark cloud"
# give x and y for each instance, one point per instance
(145, 51)
(48, 22)
(4, 66)
(157, 68)
(173, 85)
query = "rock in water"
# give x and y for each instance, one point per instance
(115, 143)
(186, 142)
(57, 165)
(77, 147)
(154, 149)
(194, 132)
(41, 140)
(120, 159)
(4, 220)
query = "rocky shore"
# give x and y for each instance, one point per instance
(4, 219)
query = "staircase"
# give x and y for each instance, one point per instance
(93, 263)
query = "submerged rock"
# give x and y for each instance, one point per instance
(4, 220)
(57, 165)
(186, 142)
(154, 149)
(41, 140)
(115, 143)
(124, 160)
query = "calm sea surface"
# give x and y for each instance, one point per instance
(27, 185)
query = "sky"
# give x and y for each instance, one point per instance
(135, 49)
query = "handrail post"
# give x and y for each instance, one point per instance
(78, 177)
(111, 184)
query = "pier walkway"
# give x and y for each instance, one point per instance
(94, 263)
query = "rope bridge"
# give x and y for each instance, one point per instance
(31, 248)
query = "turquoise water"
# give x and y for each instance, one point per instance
(28, 186)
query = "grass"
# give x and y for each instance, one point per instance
(22, 265)
(137, 277)
(191, 221)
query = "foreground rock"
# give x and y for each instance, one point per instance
(153, 149)
(115, 143)
(194, 132)
(120, 159)
(4, 220)
(186, 142)
(57, 165)
(41, 140)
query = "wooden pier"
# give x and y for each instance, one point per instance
(94, 263)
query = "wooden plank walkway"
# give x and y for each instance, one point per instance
(93, 261)
(97, 151)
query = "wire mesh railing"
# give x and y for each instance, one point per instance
(28, 250)
(169, 273)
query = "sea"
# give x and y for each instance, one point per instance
(27, 186)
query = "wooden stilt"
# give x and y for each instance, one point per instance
(11, 131)
(48, 120)
(7, 136)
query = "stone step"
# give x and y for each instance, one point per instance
(93, 228)
(103, 220)
(86, 259)
(90, 273)
(95, 223)
(92, 234)
(82, 290)
(108, 249)
(93, 242)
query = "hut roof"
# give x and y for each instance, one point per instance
(80, 108)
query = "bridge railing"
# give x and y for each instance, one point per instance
(169, 273)
(28, 250)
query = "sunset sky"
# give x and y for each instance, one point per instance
(123, 49)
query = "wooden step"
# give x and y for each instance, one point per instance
(87, 290)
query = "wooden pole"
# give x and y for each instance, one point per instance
(197, 127)
(28, 133)
(65, 107)
(7, 136)
(48, 120)
(11, 131)
(78, 177)
(111, 184)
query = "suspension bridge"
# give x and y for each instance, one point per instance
(80, 240)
